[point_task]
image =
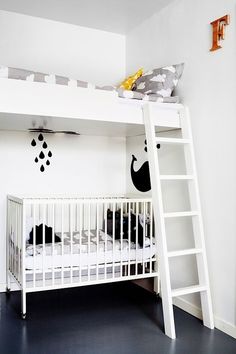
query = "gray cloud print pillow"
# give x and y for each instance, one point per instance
(160, 81)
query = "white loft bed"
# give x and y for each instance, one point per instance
(25, 105)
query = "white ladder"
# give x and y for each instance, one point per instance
(160, 216)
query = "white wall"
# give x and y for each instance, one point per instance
(53, 47)
(80, 165)
(83, 165)
(182, 33)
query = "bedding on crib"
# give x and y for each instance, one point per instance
(88, 249)
(58, 242)
(32, 76)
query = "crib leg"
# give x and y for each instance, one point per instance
(8, 287)
(23, 304)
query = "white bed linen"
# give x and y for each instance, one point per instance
(87, 254)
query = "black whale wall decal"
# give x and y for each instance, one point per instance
(141, 178)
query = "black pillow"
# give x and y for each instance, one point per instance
(39, 235)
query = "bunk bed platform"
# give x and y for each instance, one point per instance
(28, 105)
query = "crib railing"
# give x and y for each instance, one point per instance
(14, 239)
(65, 242)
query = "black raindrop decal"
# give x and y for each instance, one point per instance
(41, 155)
(33, 143)
(40, 137)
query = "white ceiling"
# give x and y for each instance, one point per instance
(118, 16)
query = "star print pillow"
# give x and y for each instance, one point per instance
(160, 82)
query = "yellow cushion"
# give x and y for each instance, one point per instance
(127, 84)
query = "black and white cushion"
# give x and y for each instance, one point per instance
(159, 82)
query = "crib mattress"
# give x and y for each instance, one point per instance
(87, 251)
(32, 76)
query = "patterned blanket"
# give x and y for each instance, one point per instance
(85, 245)
(28, 75)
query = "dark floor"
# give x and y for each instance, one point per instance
(116, 318)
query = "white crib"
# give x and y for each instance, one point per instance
(87, 245)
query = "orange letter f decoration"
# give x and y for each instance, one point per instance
(218, 27)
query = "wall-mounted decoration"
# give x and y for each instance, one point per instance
(141, 178)
(218, 28)
(43, 158)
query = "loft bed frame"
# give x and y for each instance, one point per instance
(32, 105)
(25, 105)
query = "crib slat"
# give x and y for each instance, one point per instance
(144, 227)
(113, 239)
(10, 237)
(89, 239)
(14, 241)
(105, 228)
(136, 239)
(129, 236)
(121, 238)
(53, 244)
(151, 239)
(17, 234)
(34, 247)
(62, 243)
(44, 249)
(97, 236)
(23, 250)
(71, 242)
(80, 237)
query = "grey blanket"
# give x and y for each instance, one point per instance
(28, 75)
(88, 243)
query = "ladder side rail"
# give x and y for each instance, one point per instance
(198, 230)
(160, 233)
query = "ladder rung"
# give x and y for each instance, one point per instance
(180, 214)
(188, 290)
(185, 252)
(172, 141)
(176, 177)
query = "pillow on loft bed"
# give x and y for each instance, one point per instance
(160, 82)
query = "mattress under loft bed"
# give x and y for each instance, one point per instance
(27, 104)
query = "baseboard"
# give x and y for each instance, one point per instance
(195, 311)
